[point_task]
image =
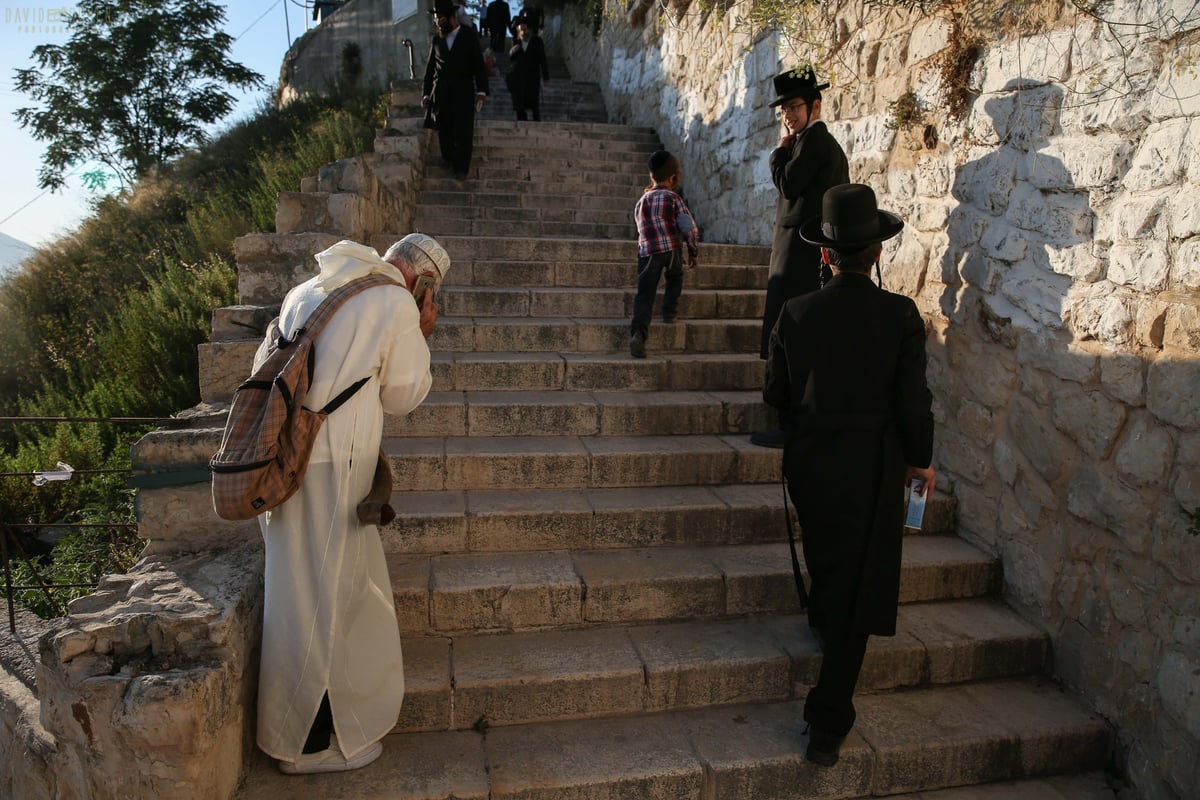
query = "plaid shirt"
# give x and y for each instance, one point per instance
(655, 215)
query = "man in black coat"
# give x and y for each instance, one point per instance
(529, 69)
(807, 161)
(498, 16)
(455, 85)
(846, 368)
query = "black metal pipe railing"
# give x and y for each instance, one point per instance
(10, 542)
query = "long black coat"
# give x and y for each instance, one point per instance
(529, 69)
(454, 75)
(847, 366)
(801, 174)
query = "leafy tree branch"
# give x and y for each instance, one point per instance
(134, 85)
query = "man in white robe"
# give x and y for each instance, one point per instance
(330, 638)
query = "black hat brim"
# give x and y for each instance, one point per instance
(807, 93)
(889, 225)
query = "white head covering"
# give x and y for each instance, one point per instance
(422, 252)
(346, 261)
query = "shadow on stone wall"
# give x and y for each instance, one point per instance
(1074, 462)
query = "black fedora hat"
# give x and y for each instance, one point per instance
(444, 8)
(798, 82)
(850, 220)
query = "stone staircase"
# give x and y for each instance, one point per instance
(590, 563)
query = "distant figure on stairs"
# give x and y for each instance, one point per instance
(498, 17)
(846, 368)
(331, 678)
(455, 87)
(662, 218)
(529, 69)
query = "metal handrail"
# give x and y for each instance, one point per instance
(8, 529)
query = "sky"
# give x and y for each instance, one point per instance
(264, 29)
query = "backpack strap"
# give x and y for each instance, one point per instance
(323, 313)
(336, 299)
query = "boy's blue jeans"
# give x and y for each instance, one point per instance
(650, 268)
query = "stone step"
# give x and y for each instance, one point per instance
(903, 742)
(594, 372)
(439, 179)
(460, 682)
(694, 304)
(225, 364)
(436, 463)
(495, 521)
(549, 334)
(561, 251)
(562, 589)
(603, 274)
(444, 226)
(270, 264)
(459, 200)
(429, 217)
(566, 413)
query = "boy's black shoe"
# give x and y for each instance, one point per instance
(668, 320)
(823, 748)
(637, 344)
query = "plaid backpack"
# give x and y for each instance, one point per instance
(269, 434)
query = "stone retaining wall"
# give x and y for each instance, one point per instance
(147, 688)
(1053, 245)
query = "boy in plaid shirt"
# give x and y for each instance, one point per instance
(664, 226)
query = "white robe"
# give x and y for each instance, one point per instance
(329, 618)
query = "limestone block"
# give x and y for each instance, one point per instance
(1037, 59)
(930, 215)
(1079, 261)
(987, 372)
(1105, 317)
(905, 271)
(1142, 266)
(1176, 92)
(1175, 550)
(1089, 418)
(1159, 161)
(1068, 163)
(1149, 323)
(1185, 271)
(1186, 480)
(1031, 561)
(1181, 328)
(1122, 376)
(1180, 691)
(1005, 461)
(1110, 503)
(963, 457)
(1064, 218)
(1171, 391)
(1145, 452)
(928, 38)
(1034, 436)
(1140, 217)
(1004, 243)
(1031, 297)
(987, 182)
(223, 366)
(1066, 360)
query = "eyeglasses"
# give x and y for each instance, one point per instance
(791, 108)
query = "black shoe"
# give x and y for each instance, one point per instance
(637, 345)
(775, 439)
(823, 748)
(669, 319)
(460, 176)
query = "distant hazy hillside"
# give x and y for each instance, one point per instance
(12, 252)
